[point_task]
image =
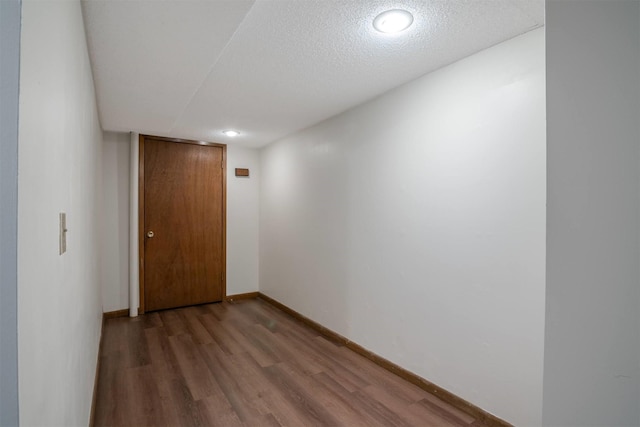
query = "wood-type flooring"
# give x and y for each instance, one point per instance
(248, 364)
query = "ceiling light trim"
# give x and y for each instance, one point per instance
(231, 133)
(393, 21)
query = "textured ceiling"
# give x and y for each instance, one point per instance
(192, 68)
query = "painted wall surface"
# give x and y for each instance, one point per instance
(9, 84)
(60, 143)
(243, 203)
(115, 237)
(242, 221)
(592, 343)
(414, 225)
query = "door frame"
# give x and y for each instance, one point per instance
(141, 227)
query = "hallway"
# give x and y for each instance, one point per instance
(248, 364)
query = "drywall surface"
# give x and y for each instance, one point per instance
(414, 225)
(592, 348)
(9, 84)
(243, 203)
(242, 221)
(115, 238)
(60, 143)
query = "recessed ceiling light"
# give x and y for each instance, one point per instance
(393, 21)
(231, 133)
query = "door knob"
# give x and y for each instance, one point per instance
(150, 234)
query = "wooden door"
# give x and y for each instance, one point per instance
(183, 222)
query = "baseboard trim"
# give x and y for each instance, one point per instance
(94, 398)
(478, 413)
(236, 297)
(113, 314)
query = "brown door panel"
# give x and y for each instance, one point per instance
(183, 224)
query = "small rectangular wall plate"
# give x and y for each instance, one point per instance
(63, 232)
(242, 172)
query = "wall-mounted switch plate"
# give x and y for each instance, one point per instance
(63, 232)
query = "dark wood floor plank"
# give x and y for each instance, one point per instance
(112, 407)
(144, 398)
(301, 400)
(242, 395)
(265, 391)
(380, 411)
(445, 411)
(194, 326)
(248, 364)
(194, 371)
(137, 345)
(217, 414)
(378, 375)
(342, 408)
(114, 336)
(392, 383)
(263, 355)
(285, 323)
(413, 414)
(173, 322)
(321, 352)
(152, 320)
(362, 405)
(221, 311)
(447, 407)
(273, 321)
(163, 360)
(187, 411)
(220, 335)
(295, 355)
(335, 367)
(268, 420)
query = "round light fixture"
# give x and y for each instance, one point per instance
(393, 21)
(231, 133)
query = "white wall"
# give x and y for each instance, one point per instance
(592, 348)
(243, 203)
(414, 225)
(115, 261)
(242, 221)
(60, 142)
(9, 84)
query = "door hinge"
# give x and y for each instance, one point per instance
(222, 276)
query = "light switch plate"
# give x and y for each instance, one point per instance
(63, 232)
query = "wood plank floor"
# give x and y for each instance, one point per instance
(248, 364)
